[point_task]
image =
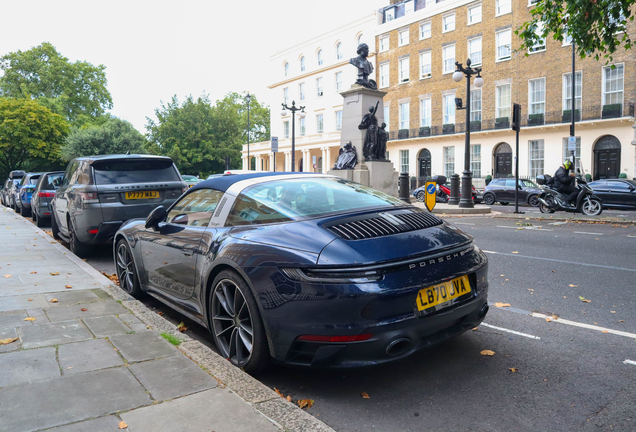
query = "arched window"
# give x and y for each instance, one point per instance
(286, 68)
(302, 64)
(319, 55)
(339, 51)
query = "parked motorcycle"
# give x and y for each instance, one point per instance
(551, 200)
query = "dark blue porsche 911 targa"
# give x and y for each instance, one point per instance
(306, 269)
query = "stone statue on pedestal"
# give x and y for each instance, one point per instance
(365, 67)
(347, 158)
(373, 144)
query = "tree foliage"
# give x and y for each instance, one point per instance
(30, 135)
(258, 115)
(115, 136)
(76, 90)
(597, 27)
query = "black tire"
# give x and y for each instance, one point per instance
(25, 212)
(421, 195)
(33, 217)
(16, 209)
(41, 223)
(592, 207)
(54, 228)
(489, 199)
(77, 247)
(545, 209)
(240, 337)
(504, 202)
(533, 200)
(126, 270)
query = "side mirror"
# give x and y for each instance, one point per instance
(156, 216)
(181, 219)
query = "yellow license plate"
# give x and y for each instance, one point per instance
(142, 195)
(442, 293)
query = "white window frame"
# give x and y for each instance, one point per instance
(448, 109)
(481, 50)
(475, 105)
(286, 129)
(384, 43)
(320, 123)
(319, 58)
(339, 54)
(498, 106)
(404, 73)
(604, 84)
(338, 81)
(567, 92)
(475, 160)
(426, 67)
(404, 161)
(301, 91)
(577, 152)
(498, 57)
(384, 77)
(425, 112)
(539, 47)
(536, 106)
(446, 26)
(404, 112)
(338, 119)
(319, 88)
(387, 116)
(403, 37)
(286, 68)
(468, 16)
(446, 62)
(534, 167)
(449, 161)
(424, 32)
(286, 95)
(303, 66)
(301, 126)
(503, 7)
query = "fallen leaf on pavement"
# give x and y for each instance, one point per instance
(305, 403)
(502, 304)
(621, 320)
(68, 286)
(288, 398)
(7, 276)
(487, 353)
(513, 369)
(33, 272)
(29, 319)
(365, 395)
(278, 392)
(515, 252)
(7, 341)
(165, 262)
(53, 301)
(160, 313)
(548, 320)
(113, 277)
(502, 275)
(30, 299)
(55, 273)
(122, 425)
(181, 327)
(612, 311)
(574, 286)
(604, 331)
(83, 309)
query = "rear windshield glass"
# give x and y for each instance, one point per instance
(134, 171)
(297, 199)
(47, 181)
(189, 178)
(34, 180)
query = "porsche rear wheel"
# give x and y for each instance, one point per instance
(126, 272)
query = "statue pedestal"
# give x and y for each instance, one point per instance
(382, 177)
(345, 174)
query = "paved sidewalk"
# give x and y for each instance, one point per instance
(88, 357)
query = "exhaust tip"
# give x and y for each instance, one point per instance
(398, 346)
(483, 311)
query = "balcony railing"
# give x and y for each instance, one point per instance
(595, 112)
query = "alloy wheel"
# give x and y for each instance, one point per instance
(489, 199)
(420, 196)
(232, 323)
(125, 269)
(591, 207)
(534, 201)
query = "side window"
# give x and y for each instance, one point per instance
(510, 183)
(617, 186)
(196, 208)
(70, 169)
(84, 174)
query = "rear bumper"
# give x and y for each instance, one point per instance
(105, 233)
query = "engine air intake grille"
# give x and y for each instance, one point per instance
(382, 224)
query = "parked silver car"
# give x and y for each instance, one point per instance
(43, 197)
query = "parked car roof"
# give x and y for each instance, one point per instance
(222, 183)
(120, 156)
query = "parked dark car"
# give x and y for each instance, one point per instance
(503, 191)
(308, 270)
(616, 193)
(9, 187)
(4, 195)
(24, 193)
(43, 197)
(99, 193)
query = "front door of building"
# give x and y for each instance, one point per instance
(607, 157)
(502, 160)
(424, 160)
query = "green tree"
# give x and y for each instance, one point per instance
(597, 27)
(258, 115)
(115, 136)
(196, 135)
(76, 90)
(30, 135)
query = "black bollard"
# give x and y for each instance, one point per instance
(403, 183)
(454, 196)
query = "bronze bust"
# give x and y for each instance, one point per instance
(365, 67)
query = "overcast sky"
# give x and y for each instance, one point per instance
(154, 49)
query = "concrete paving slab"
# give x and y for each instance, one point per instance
(101, 294)
(40, 335)
(4, 259)
(58, 401)
(102, 424)
(88, 356)
(212, 410)
(21, 302)
(172, 377)
(71, 297)
(7, 333)
(13, 318)
(106, 326)
(133, 322)
(66, 313)
(24, 366)
(146, 345)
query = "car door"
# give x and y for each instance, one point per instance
(507, 191)
(64, 195)
(600, 190)
(169, 254)
(620, 194)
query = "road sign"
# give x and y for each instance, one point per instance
(315, 166)
(274, 144)
(431, 194)
(572, 143)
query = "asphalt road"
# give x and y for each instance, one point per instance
(574, 371)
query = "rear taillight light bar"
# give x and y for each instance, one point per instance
(46, 194)
(88, 197)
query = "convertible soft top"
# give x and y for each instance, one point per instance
(223, 183)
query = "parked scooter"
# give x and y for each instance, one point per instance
(551, 200)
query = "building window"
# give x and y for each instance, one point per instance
(536, 158)
(532, 2)
(503, 7)
(404, 161)
(425, 113)
(475, 105)
(449, 108)
(286, 129)
(302, 64)
(449, 161)
(404, 115)
(338, 120)
(613, 85)
(339, 51)
(425, 30)
(338, 81)
(301, 91)
(474, 51)
(301, 126)
(425, 64)
(577, 153)
(540, 45)
(503, 101)
(286, 94)
(403, 37)
(536, 96)
(286, 68)
(448, 23)
(567, 90)
(319, 123)
(319, 56)
(389, 14)
(474, 14)
(319, 87)
(449, 58)
(475, 160)
(404, 70)
(503, 45)
(384, 75)
(386, 116)
(384, 44)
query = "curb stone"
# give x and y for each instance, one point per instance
(260, 397)
(573, 219)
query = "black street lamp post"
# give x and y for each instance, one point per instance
(248, 98)
(293, 108)
(466, 200)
